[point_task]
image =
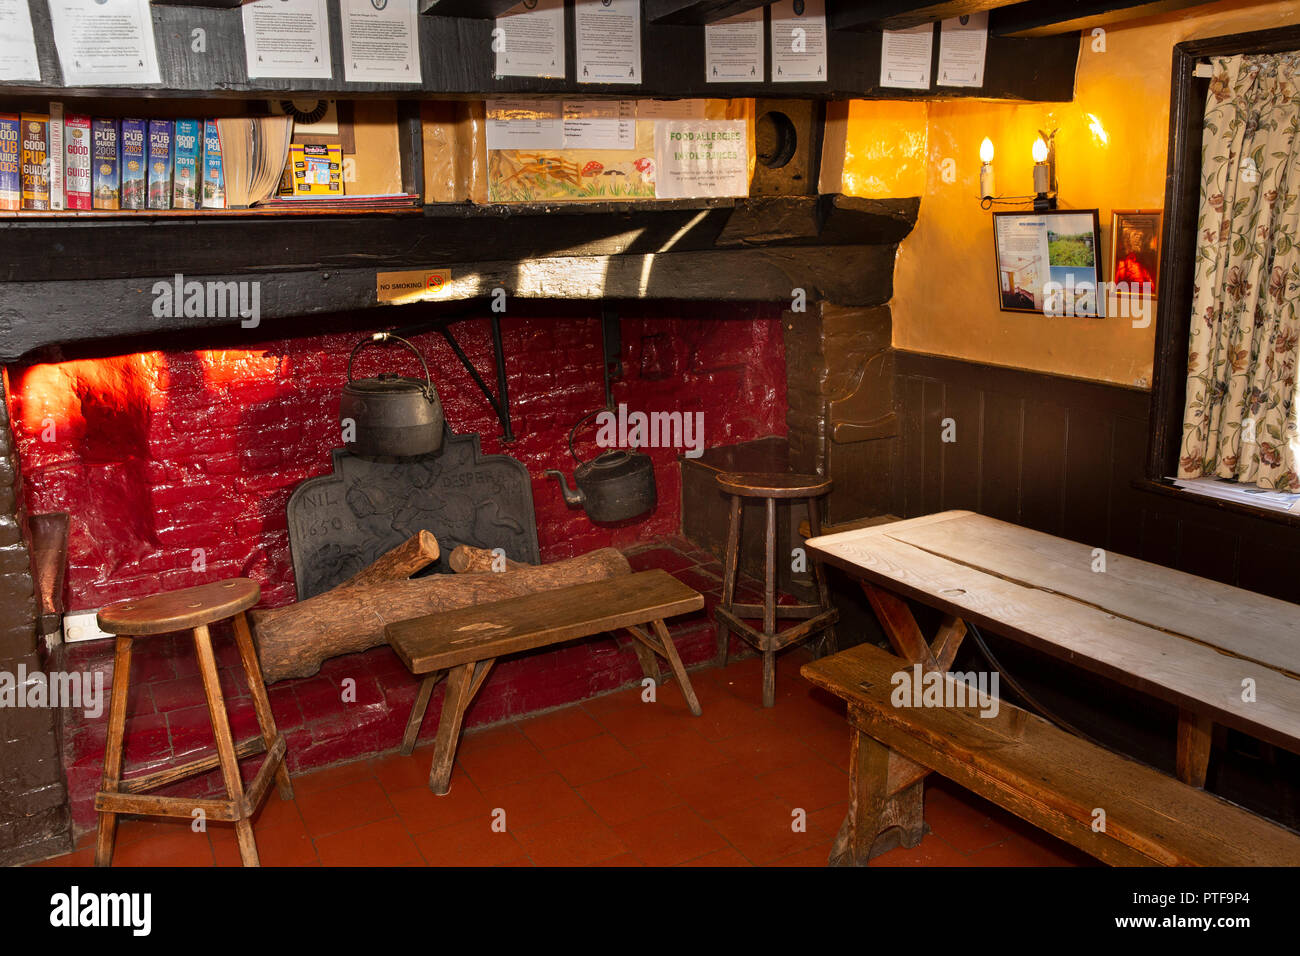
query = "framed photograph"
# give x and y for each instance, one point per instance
(1135, 251)
(1049, 262)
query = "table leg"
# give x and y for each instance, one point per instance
(460, 691)
(1195, 732)
(732, 558)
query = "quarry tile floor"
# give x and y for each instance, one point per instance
(611, 781)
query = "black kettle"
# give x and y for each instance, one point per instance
(614, 486)
(392, 416)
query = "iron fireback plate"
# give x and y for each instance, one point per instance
(341, 522)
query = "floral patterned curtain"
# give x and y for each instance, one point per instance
(1240, 419)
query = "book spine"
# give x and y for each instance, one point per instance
(106, 164)
(56, 155)
(135, 163)
(160, 164)
(214, 180)
(76, 138)
(36, 160)
(11, 180)
(185, 178)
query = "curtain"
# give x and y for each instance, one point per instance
(1240, 418)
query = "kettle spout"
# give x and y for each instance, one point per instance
(572, 497)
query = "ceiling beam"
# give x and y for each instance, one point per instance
(900, 14)
(1038, 18)
(475, 9)
(697, 12)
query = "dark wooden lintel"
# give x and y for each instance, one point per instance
(697, 12)
(900, 14)
(1042, 18)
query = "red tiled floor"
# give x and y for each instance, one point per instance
(612, 781)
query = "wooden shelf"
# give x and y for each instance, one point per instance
(456, 61)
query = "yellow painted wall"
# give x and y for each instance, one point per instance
(944, 285)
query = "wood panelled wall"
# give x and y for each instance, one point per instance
(1067, 457)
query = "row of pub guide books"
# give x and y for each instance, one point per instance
(49, 161)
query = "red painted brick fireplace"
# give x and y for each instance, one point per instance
(156, 450)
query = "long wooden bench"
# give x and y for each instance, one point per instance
(1118, 810)
(463, 644)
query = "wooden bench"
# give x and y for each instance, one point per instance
(463, 644)
(1056, 781)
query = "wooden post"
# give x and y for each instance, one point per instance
(113, 748)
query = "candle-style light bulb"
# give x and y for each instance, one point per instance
(1042, 174)
(1040, 151)
(986, 169)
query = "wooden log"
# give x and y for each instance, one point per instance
(294, 640)
(418, 552)
(466, 558)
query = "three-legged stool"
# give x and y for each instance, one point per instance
(816, 617)
(190, 609)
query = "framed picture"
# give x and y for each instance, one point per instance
(1049, 262)
(1135, 251)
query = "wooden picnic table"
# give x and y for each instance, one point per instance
(1219, 653)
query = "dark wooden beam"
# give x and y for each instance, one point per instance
(456, 61)
(697, 12)
(477, 9)
(900, 14)
(1041, 18)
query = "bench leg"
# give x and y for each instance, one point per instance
(462, 682)
(1195, 733)
(675, 662)
(877, 821)
(418, 709)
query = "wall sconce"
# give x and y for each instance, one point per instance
(986, 169)
(1044, 151)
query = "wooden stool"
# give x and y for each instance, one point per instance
(193, 609)
(817, 617)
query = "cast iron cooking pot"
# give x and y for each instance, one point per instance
(394, 416)
(613, 486)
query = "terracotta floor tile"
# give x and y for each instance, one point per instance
(383, 843)
(286, 844)
(331, 778)
(623, 859)
(182, 847)
(714, 792)
(669, 837)
(765, 750)
(931, 851)
(763, 831)
(627, 796)
(470, 843)
(680, 755)
(580, 840)
(726, 716)
(345, 808)
(593, 759)
(625, 717)
(965, 820)
(812, 784)
(401, 772)
(535, 801)
(510, 761)
(565, 726)
(728, 856)
(421, 810)
(813, 856)
(77, 858)
(1035, 849)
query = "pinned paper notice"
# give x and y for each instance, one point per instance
(799, 41)
(104, 42)
(733, 49)
(963, 42)
(528, 40)
(906, 56)
(17, 43)
(289, 39)
(608, 38)
(701, 158)
(599, 124)
(524, 124)
(381, 42)
(669, 109)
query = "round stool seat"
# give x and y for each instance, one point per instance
(773, 484)
(179, 610)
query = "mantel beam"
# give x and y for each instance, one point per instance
(900, 14)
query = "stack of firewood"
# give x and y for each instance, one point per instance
(294, 640)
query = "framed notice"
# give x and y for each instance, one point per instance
(1049, 262)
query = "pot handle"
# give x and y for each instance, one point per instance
(578, 424)
(386, 337)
